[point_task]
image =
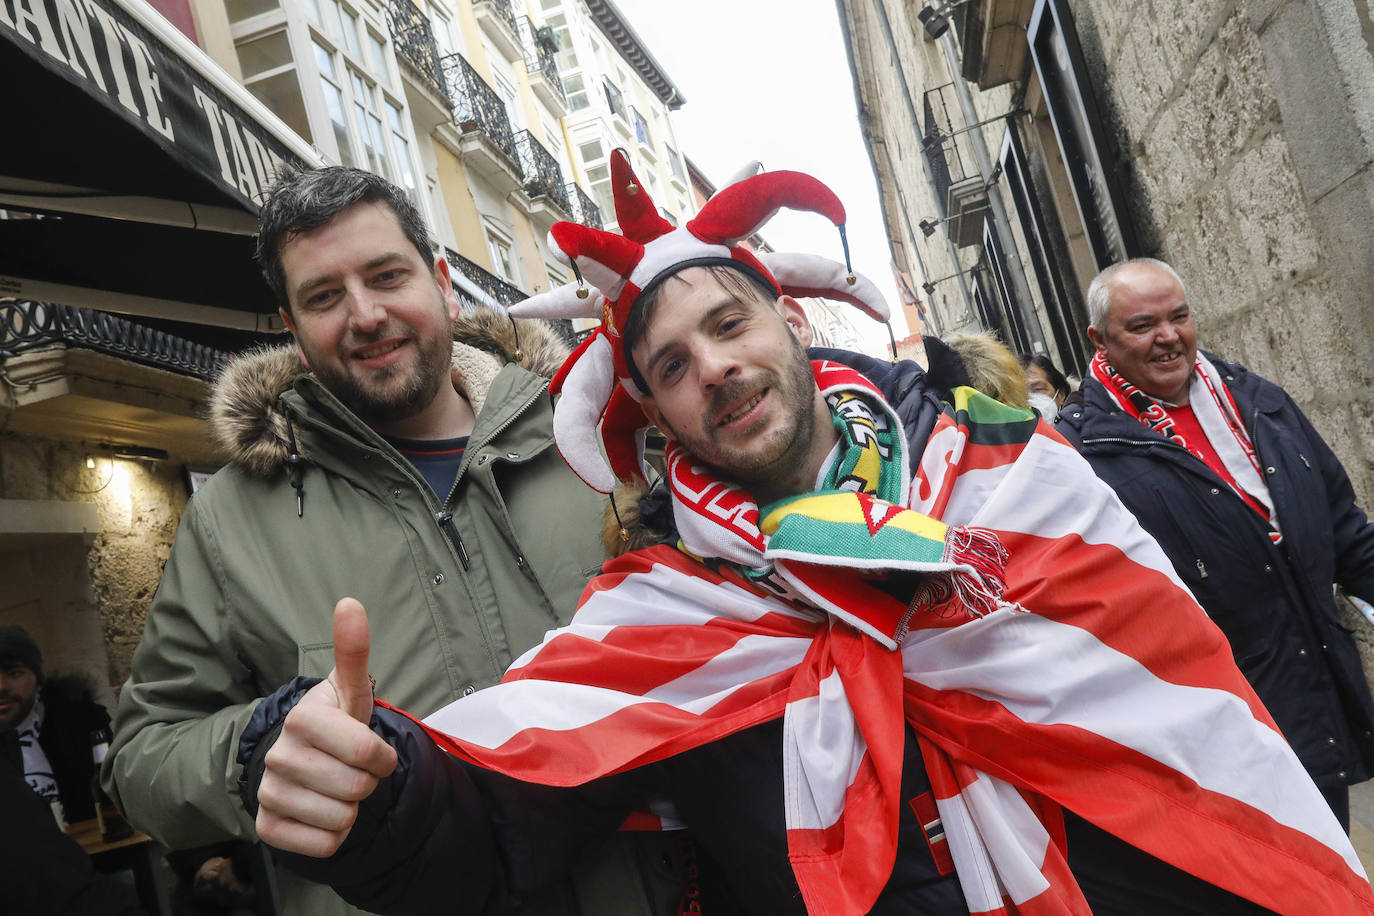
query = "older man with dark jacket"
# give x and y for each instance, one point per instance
(1249, 503)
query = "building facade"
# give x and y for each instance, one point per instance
(105, 371)
(1023, 145)
(618, 97)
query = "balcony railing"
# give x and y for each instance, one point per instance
(502, 9)
(476, 106)
(584, 209)
(414, 42)
(505, 293)
(543, 177)
(27, 325)
(541, 49)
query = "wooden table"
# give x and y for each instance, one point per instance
(138, 853)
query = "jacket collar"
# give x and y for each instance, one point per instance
(250, 400)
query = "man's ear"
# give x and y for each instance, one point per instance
(445, 281)
(797, 322)
(295, 338)
(1098, 339)
(654, 414)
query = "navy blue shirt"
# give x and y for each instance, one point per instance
(437, 460)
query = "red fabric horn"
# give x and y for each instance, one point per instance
(739, 211)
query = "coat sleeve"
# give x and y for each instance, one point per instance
(171, 765)
(1352, 533)
(439, 834)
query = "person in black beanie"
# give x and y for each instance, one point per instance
(51, 721)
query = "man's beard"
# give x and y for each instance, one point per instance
(375, 403)
(795, 390)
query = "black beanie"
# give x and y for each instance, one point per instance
(18, 647)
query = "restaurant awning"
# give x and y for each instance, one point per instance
(140, 161)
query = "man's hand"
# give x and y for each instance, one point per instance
(326, 759)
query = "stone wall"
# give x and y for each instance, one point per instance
(112, 579)
(1245, 130)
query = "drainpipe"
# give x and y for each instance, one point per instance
(1000, 224)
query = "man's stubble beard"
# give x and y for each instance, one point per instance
(375, 404)
(797, 391)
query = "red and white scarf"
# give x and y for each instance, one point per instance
(1216, 413)
(1139, 722)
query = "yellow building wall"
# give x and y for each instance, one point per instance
(462, 209)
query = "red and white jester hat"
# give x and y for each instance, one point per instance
(618, 268)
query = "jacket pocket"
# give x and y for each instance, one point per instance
(315, 660)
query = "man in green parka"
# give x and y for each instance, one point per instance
(401, 452)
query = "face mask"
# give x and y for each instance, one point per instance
(1044, 405)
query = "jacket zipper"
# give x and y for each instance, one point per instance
(445, 516)
(445, 520)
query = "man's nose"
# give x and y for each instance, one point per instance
(365, 312)
(715, 366)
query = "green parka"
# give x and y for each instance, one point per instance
(247, 596)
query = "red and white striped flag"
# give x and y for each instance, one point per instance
(1101, 687)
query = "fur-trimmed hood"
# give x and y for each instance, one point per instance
(250, 429)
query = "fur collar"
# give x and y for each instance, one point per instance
(250, 429)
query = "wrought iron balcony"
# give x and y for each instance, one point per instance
(540, 50)
(27, 325)
(476, 106)
(502, 9)
(415, 47)
(543, 177)
(505, 293)
(584, 209)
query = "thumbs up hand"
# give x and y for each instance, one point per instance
(326, 759)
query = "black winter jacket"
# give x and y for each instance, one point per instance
(1273, 602)
(438, 832)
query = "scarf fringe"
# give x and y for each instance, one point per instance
(968, 593)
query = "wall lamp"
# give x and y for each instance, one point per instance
(936, 20)
(928, 226)
(134, 452)
(929, 285)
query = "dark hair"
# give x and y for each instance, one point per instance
(740, 282)
(302, 200)
(1057, 379)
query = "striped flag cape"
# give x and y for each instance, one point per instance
(1098, 685)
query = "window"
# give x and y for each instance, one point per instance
(575, 88)
(641, 127)
(348, 28)
(675, 164)
(600, 178)
(269, 72)
(366, 119)
(368, 123)
(502, 260)
(334, 104)
(558, 275)
(553, 140)
(592, 151)
(505, 88)
(567, 56)
(443, 37)
(615, 101)
(240, 10)
(401, 147)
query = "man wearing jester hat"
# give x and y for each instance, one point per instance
(884, 655)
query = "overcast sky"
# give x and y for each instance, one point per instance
(768, 80)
